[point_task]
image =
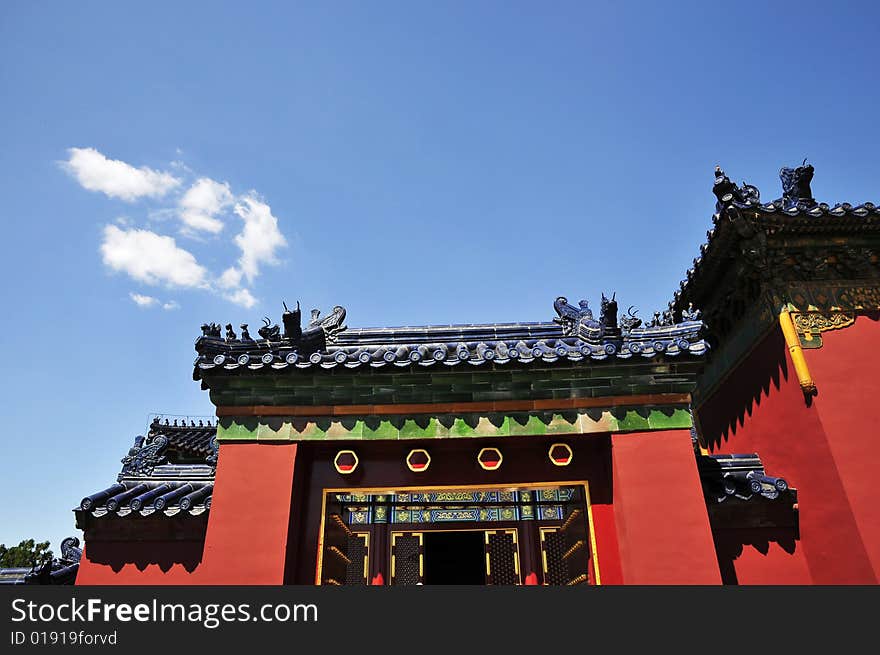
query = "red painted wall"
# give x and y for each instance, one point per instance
(246, 539)
(140, 563)
(662, 525)
(847, 373)
(823, 449)
(607, 547)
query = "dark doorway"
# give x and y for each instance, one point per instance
(455, 558)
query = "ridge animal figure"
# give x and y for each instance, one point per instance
(292, 321)
(330, 324)
(211, 330)
(630, 321)
(608, 313)
(269, 332)
(796, 186)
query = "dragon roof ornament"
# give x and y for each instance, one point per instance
(573, 335)
(578, 321)
(742, 223)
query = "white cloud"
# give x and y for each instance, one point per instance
(151, 258)
(141, 300)
(115, 178)
(201, 204)
(230, 279)
(241, 297)
(203, 207)
(260, 238)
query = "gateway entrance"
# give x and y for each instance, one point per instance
(455, 558)
(461, 536)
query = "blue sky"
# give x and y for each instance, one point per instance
(417, 163)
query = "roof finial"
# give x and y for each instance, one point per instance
(796, 192)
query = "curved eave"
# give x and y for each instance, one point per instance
(571, 351)
(822, 218)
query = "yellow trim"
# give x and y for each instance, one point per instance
(421, 537)
(527, 486)
(516, 556)
(366, 536)
(513, 486)
(592, 530)
(413, 452)
(543, 532)
(560, 445)
(514, 532)
(797, 353)
(354, 466)
(500, 458)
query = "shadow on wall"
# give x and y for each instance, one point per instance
(143, 554)
(730, 544)
(764, 371)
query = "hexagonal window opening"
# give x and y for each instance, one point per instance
(345, 462)
(418, 460)
(490, 459)
(560, 454)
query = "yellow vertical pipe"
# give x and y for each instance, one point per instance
(797, 353)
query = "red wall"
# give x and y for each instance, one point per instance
(246, 539)
(823, 448)
(140, 563)
(607, 546)
(662, 525)
(847, 373)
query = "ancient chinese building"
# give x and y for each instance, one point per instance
(724, 439)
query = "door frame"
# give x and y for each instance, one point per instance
(513, 486)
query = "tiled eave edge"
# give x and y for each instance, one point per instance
(452, 420)
(783, 225)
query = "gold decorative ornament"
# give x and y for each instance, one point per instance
(811, 324)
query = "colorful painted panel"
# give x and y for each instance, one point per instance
(456, 506)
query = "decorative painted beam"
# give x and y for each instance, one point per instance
(478, 424)
(404, 409)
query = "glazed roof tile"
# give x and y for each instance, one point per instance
(158, 477)
(740, 214)
(191, 436)
(739, 476)
(55, 571)
(574, 337)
